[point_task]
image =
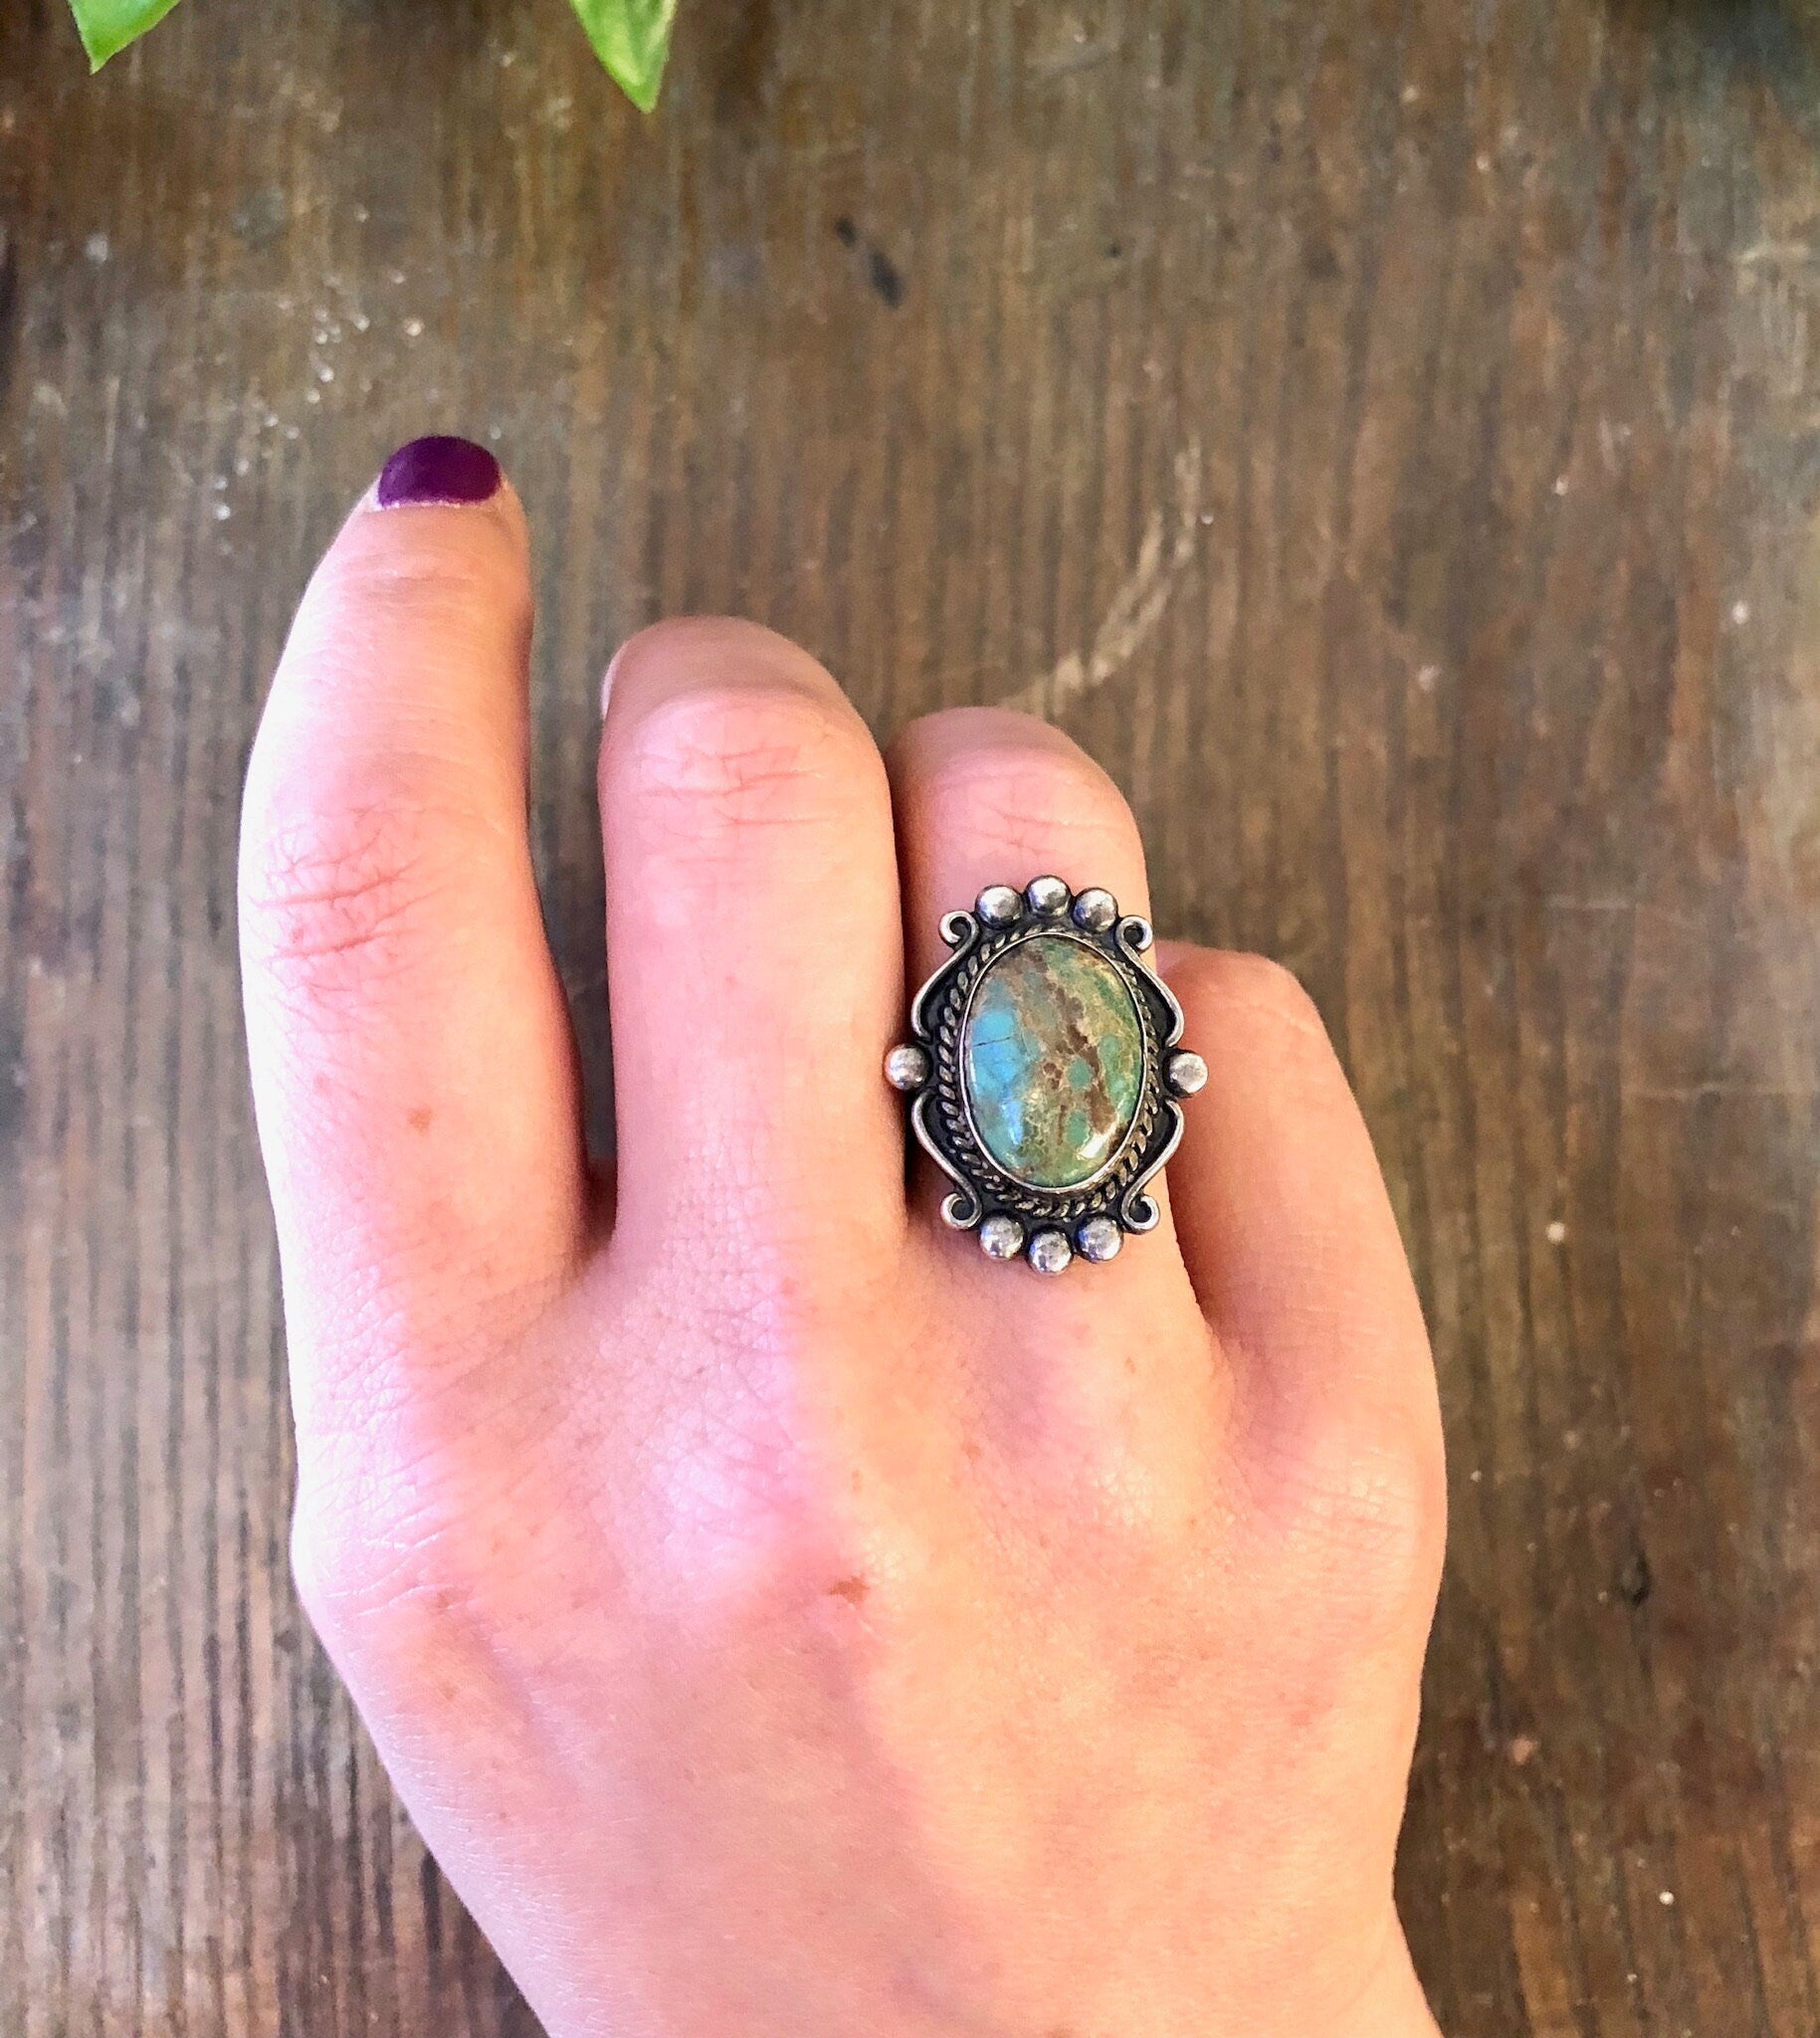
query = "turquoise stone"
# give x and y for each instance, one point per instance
(1053, 1060)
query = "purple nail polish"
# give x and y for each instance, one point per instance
(439, 471)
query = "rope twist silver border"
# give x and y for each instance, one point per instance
(1011, 1216)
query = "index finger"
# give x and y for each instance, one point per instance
(413, 1071)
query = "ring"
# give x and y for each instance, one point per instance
(1044, 1075)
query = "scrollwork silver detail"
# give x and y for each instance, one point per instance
(982, 1192)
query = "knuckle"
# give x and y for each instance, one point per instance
(1260, 984)
(378, 1582)
(334, 900)
(1260, 1017)
(1367, 1528)
(369, 574)
(333, 1571)
(703, 643)
(712, 764)
(1042, 805)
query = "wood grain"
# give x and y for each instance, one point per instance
(1386, 432)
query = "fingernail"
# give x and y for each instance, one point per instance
(447, 470)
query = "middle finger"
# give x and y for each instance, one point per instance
(754, 947)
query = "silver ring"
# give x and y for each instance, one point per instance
(1043, 1073)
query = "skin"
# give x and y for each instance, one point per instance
(777, 1618)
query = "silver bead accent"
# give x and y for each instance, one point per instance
(1047, 895)
(1186, 1072)
(907, 1066)
(1001, 1237)
(1098, 1239)
(1049, 1252)
(1000, 906)
(1096, 909)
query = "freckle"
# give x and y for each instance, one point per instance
(1130, 1365)
(853, 1590)
(419, 1119)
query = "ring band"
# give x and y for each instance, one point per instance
(1043, 1073)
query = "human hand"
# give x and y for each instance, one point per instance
(778, 1618)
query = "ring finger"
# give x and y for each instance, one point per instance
(985, 797)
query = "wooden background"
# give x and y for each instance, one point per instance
(1387, 432)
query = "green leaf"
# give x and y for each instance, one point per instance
(108, 26)
(632, 39)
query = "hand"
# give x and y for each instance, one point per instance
(780, 1620)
